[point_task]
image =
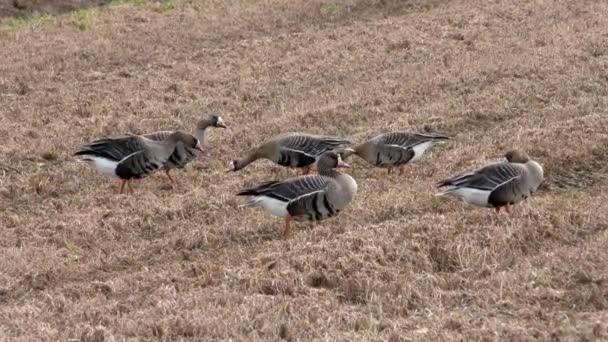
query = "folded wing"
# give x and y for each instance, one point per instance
(313, 145)
(289, 189)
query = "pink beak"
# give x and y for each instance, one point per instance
(201, 155)
(342, 164)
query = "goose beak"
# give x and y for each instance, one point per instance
(342, 165)
(231, 167)
(200, 149)
(220, 123)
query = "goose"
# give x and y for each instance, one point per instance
(294, 150)
(306, 198)
(394, 149)
(497, 185)
(133, 156)
(182, 154)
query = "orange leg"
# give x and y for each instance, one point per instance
(498, 210)
(312, 225)
(171, 179)
(306, 171)
(508, 209)
(287, 225)
(123, 182)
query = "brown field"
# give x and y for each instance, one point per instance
(24, 8)
(80, 261)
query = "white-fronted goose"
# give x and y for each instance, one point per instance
(183, 154)
(307, 198)
(294, 150)
(497, 185)
(394, 149)
(133, 156)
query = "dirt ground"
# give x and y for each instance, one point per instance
(80, 261)
(24, 8)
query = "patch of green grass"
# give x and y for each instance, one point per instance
(331, 9)
(168, 6)
(17, 22)
(25, 22)
(165, 6)
(127, 2)
(83, 18)
(46, 18)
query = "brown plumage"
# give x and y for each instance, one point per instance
(307, 198)
(394, 149)
(133, 156)
(497, 185)
(183, 154)
(294, 150)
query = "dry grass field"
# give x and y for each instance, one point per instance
(81, 262)
(25, 8)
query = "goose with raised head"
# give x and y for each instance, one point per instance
(133, 156)
(394, 149)
(309, 198)
(497, 185)
(294, 150)
(184, 154)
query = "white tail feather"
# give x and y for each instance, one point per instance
(249, 202)
(445, 192)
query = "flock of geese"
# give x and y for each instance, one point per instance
(311, 197)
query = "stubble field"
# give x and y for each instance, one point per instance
(79, 261)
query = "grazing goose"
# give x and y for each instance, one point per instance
(295, 150)
(133, 156)
(307, 198)
(394, 149)
(497, 185)
(182, 154)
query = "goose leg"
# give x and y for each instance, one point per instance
(401, 171)
(171, 179)
(507, 209)
(312, 225)
(287, 225)
(389, 170)
(498, 210)
(306, 171)
(123, 182)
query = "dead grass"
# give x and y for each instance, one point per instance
(81, 262)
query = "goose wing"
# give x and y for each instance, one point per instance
(488, 178)
(181, 156)
(138, 164)
(289, 189)
(158, 136)
(312, 145)
(314, 206)
(408, 140)
(114, 149)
